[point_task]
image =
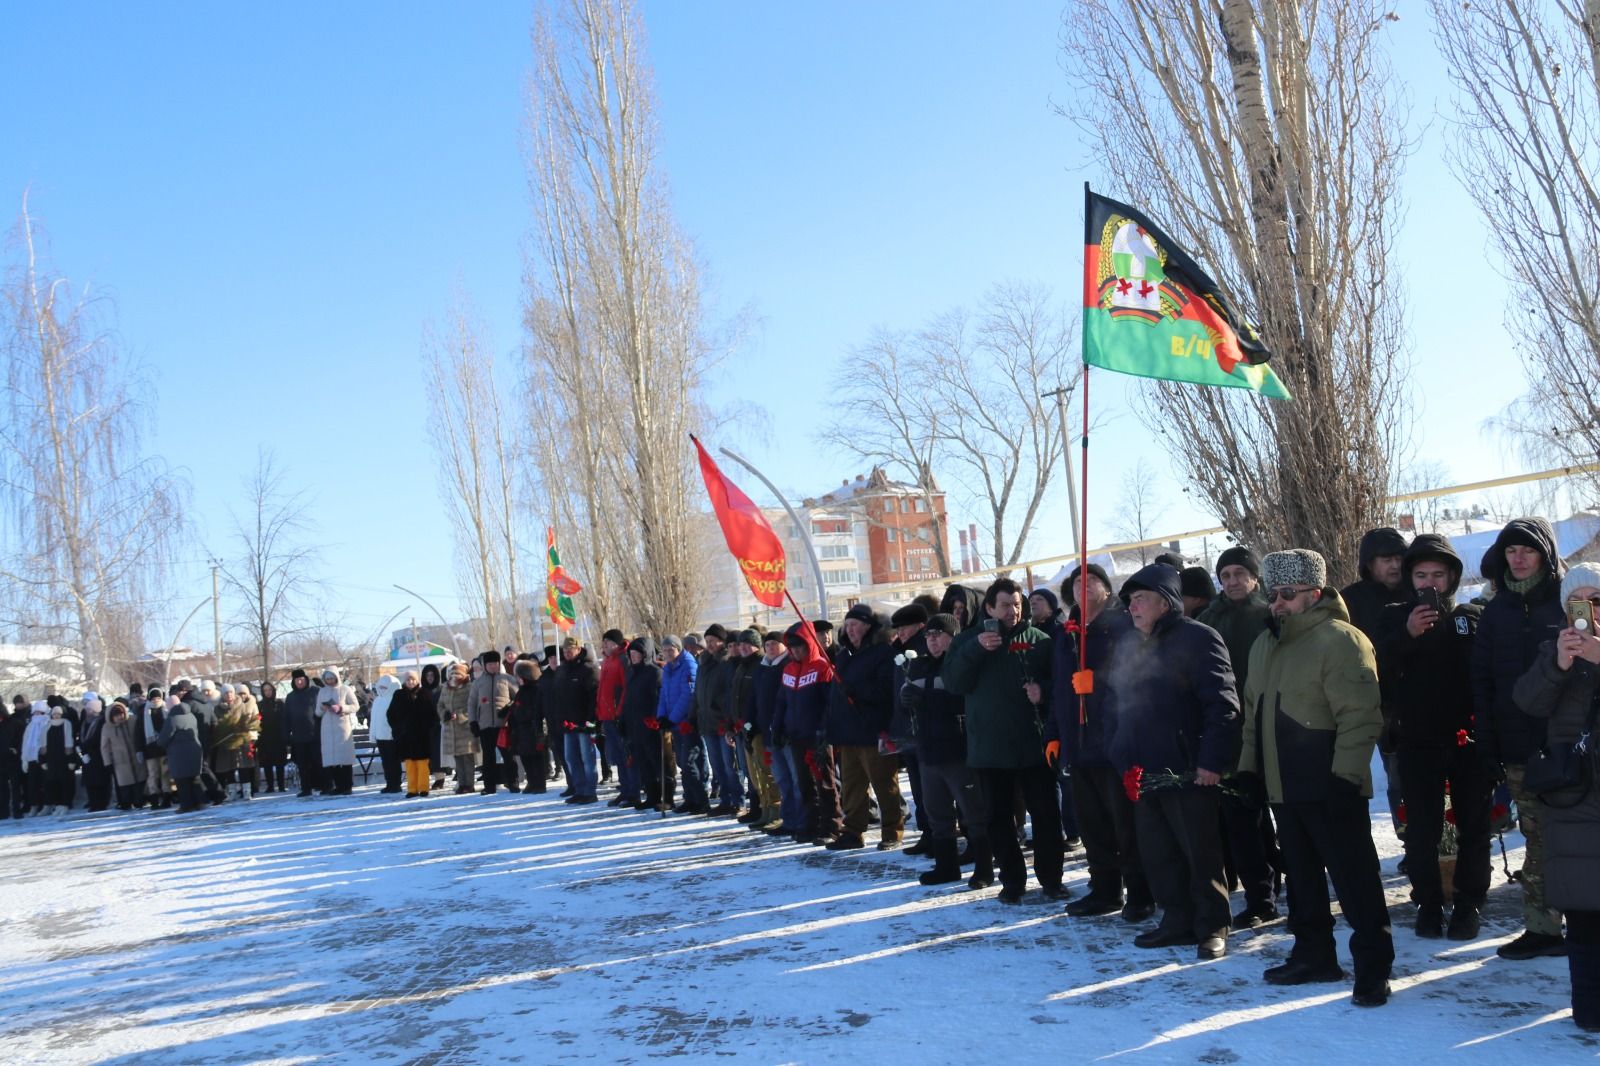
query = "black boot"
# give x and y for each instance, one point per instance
(946, 869)
(982, 865)
(1583, 965)
(1430, 921)
(925, 845)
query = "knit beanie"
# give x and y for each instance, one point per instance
(1195, 581)
(1580, 575)
(1069, 587)
(1239, 555)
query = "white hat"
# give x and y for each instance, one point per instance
(227, 689)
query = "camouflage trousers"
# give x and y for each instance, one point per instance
(1530, 813)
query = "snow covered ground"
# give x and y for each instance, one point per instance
(471, 929)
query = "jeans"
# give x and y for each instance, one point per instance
(691, 755)
(582, 764)
(791, 807)
(617, 752)
(721, 747)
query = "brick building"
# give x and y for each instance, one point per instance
(906, 525)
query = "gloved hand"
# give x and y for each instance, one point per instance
(1252, 790)
(685, 728)
(474, 727)
(1052, 753)
(1083, 682)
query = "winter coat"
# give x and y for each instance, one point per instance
(300, 715)
(1176, 703)
(861, 698)
(940, 715)
(529, 733)
(1086, 743)
(1426, 681)
(89, 743)
(613, 680)
(1004, 730)
(33, 734)
(12, 731)
(409, 716)
(337, 707)
(57, 755)
(1313, 711)
(768, 686)
(119, 751)
(1239, 624)
(739, 699)
(272, 745)
(641, 696)
(1510, 631)
(233, 737)
(576, 687)
(802, 707)
(378, 727)
(710, 680)
(491, 700)
(677, 689)
(1562, 698)
(455, 717)
(180, 738)
(147, 727)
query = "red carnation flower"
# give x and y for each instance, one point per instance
(1130, 783)
(1463, 738)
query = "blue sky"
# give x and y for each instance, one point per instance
(279, 199)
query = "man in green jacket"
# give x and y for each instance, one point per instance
(1312, 718)
(1002, 667)
(1240, 615)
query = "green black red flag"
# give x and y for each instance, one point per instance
(1149, 310)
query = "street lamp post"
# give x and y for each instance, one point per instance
(454, 637)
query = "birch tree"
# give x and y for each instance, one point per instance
(1527, 150)
(93, 521)
(613, 315)
(1265, 137)
(468, 428)
(966, 394)
(273, 566)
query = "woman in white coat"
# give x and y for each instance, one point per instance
(336, 709)
(382, 735)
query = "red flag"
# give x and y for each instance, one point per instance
(749, 535)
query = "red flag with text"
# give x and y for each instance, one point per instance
(749, 535)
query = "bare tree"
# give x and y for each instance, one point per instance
(94, 520)
(614, 317)
(1527, 150)
(966, 392)
(1265, 136)
(273, 565)
(466, 420)
(1139, 507)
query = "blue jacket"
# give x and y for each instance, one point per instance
(1087, 743)
(677, 690)
(1177, 708)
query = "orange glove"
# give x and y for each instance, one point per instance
(1052, 753)
(1083, 682)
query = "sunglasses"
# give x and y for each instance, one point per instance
(1287, 592)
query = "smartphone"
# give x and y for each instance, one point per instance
(991, 625)
(1429, 598)
(1580, 615)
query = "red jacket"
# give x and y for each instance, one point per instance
(608, 701)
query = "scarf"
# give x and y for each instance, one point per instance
(1522, 588)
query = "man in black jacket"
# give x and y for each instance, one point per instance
(1379, 584)
(860, 704)
(1424, 655)
(1525, 568)
(576, 687)
(1240, 614)
(1177, 727)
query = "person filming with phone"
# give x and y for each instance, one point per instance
(1424, 660)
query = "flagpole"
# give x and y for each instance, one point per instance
(1083, 555)
(803, 529)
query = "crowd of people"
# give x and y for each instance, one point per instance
(1190, 739)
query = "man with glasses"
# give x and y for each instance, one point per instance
(1313, 715)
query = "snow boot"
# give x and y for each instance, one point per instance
(982, 865)
(946, 869)
(1583, 964)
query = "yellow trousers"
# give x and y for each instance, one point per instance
(416, 777)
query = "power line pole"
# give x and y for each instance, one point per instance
(216, 614)
(1061, 395)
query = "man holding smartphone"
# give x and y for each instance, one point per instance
(1424, 661)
